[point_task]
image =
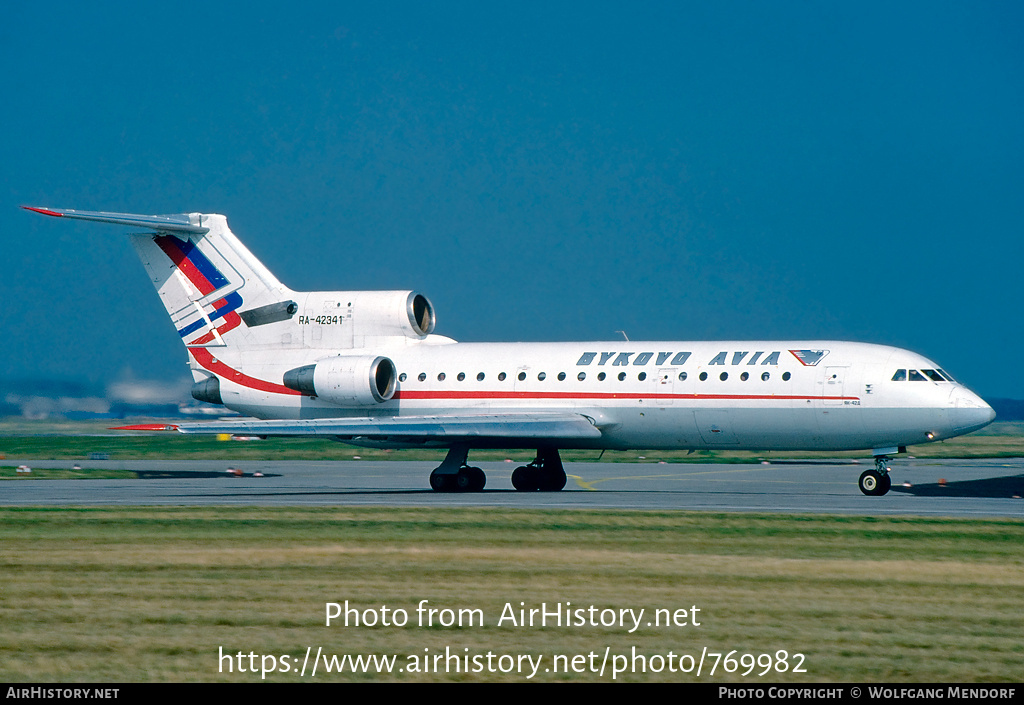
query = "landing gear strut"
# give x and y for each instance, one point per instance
(876, 482)
(453, 475)
(545, 473)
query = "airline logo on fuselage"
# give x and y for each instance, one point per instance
(808, 358)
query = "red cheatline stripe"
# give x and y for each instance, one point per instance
(207, 360)
(603, 395)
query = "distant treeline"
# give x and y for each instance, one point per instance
(1008, 409)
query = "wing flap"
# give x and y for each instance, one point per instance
(425, 428)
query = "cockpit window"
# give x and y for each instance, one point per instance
(922, 376)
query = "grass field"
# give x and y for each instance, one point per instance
(152, 594)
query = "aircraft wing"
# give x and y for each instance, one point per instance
(415, 429)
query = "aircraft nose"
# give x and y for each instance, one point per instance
(970, 412)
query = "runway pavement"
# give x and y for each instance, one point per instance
(972, 488)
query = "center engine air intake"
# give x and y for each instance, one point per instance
(346, 380)
(421, 313)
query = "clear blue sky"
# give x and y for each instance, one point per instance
(542, 171)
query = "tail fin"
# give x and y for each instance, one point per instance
(207, 280)
(204, 275)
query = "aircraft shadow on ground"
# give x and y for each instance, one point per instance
(191, 474)
(330, 493)
(989, 488)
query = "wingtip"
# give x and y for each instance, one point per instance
(146, 427)
(44, 211)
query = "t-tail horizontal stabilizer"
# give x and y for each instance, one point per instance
(181, 223)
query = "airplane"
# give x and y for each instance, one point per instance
(366, 368)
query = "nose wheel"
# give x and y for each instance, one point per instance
(876, 482)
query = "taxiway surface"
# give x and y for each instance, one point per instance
(960, 488)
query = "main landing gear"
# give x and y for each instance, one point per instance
(453, 475)
(545, 473)
(876, 482)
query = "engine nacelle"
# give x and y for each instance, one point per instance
(352, 320)
(391, 313)
(208, 390)
(346, 380)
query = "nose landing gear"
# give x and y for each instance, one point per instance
(876, 482)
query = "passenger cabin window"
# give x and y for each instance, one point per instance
(900, 376)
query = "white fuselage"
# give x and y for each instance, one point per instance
(691, 395)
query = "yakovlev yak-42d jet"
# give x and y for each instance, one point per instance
(365, 368)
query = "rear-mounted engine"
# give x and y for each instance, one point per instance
(346, 380)
(390, 313)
